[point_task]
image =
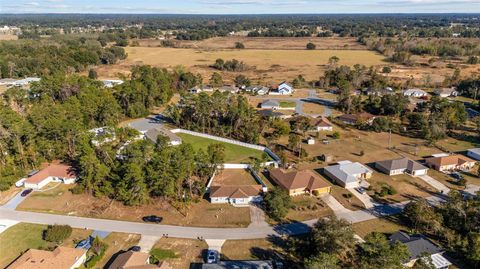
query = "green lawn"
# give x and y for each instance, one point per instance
(286, 104)
(233, 153)
(23, 236)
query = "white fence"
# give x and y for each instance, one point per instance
(230, 141)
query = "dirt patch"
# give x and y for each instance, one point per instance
(187, 251)
(202, 214)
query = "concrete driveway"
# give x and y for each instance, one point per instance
(147, 242)
(435, 183)
(15, 201)
(364, 198)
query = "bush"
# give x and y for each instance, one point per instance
(158, 254)
(336, 135)
(97, 251)
(387, 69)
(347, 195)
(57, 233)
(239, 45)
(277, 203)
(311, 46)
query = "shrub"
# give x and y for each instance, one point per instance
(347, 195)
(336, 135)
(158, 254)
(97, 251)
(386, 69)
(239, 45)
(57, 233)
(311, 46)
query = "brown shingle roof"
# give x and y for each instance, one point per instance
(448, 160)
(321, 122)
(359, 117)
(61, 257)
(52, 170)
(298, 179)
(244, 191)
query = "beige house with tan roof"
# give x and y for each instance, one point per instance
(237, 195)
(59, 258)
(300, 182)
(322, 124)
(450, 162)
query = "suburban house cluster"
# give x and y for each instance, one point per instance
(283, 88)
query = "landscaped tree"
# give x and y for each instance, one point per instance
(92, 74)
(311, 46)
(332, 61)
(57, 233)
(377, 253)
(216, 80)
(322, 261)
(294, 141)
(242, 80)
(239, 45)
(334, 236)
(423, 217)
(277, 202)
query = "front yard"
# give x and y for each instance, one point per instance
(202, 214)
(346, 198)
(307, 208)
(382, 225)
(23, 236)
(179, 253)
(233, 153)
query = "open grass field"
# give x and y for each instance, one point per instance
(202, 214)
(382, 225)
(307, 208)
(185, 251)
(227, 177)
(268, 67)
(23, 236)
(233, 153)
(252, 249)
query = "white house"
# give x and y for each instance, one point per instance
(446, 92)
(282, 89)
(26, 81)
(348, 174)
(474, 153)
(415, 93)
(110, 83)
(236, 195)
(52, 173)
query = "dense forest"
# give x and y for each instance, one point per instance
(60, 54)
(196, 27)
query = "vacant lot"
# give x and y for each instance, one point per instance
(346, 198)
(23, 236)
(186, 251)
(307, 208)
(229, 177)
(233, 153)
(267, 66)
(202, 214)
(117, 242)
(382, 225)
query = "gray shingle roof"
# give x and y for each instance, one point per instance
(403, 163)
(239, 265)
(416, 244)
(346, 171)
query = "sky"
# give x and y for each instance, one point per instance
(239, 6)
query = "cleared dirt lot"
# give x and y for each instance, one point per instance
(270, 43)
(202, 214)
(267, 66)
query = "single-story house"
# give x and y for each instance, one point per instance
(381, 92)
(445, 92)
(474, 153)
(359, 118)
(238, 265)
(258, 90)
(415, 93)
(419, 245)
(7, 82)
(268, 113)
(228, 88)
(400, 166)
(348, 174)
(136, 260)
(110, 83)
(270, 104)
(52, 173)
(60, 257)
(199, 89)
(282, 89)
(26, 81)
(300, 182)
(450, 162)
(322, 124)
(153, 134)
(235, 195)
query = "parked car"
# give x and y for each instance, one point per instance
(456, 175)
(360, 190)
(85, 243)
(135, 248)
(152, 218)
(212, 256)
(278, 265)
(26, 192)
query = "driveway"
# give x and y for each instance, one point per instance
(147, 242)
(334, 204)
(435, 183)
(15, 201)
(364, 198)
(257, 216)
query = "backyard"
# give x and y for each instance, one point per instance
(233, 153)
(228, 177)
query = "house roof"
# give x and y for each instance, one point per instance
(417, 244)
(52, 170)
(347, 171)
(61, 257)
(414, 91)
(444, 91)
(321, 122)
(270, 103)
(448, 160)
(153, 134)
(238, 264)
(475, 150)
(270, 113)
(243, 191)
(403, 163)
(298, 179)
(135, 260)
